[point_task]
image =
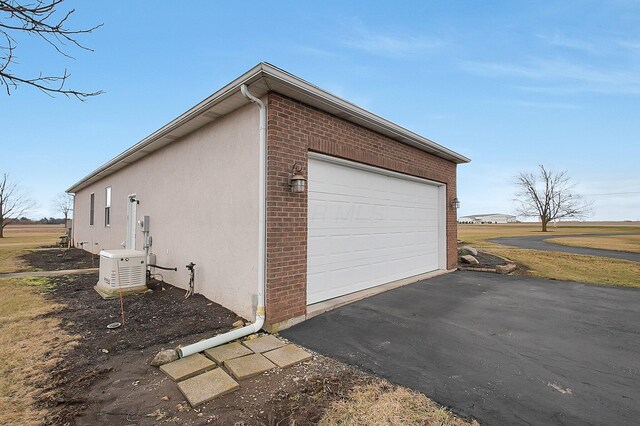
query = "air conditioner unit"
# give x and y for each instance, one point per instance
(121, 271)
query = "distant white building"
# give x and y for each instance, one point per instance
(487, 218)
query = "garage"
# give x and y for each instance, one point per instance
(368, 226)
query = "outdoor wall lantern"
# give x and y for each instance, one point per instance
(455, 203)
(297, 182)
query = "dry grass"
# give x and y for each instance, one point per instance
(620, 243)
(381, 403)
(30, 343)
(555, 265)
(478, 234)
(573, 267)
(17, 239)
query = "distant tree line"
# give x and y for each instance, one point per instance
(43, 221)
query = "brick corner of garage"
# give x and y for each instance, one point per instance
(295, 131)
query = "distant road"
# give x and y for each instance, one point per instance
(537, 242)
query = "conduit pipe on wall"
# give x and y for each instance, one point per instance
(260, 312)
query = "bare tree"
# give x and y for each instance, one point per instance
(14, 202)
(39, 18)
(549, 195)
(63, 203)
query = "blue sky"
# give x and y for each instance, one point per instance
(509, 84)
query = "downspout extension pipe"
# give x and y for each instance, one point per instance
(260, 311)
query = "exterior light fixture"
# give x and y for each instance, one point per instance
(297, 182)
(455, 203)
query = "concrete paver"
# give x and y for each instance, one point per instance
(248, 366)
(287, 355)
(264, 343)
(207, 386)
(229, 351)
(187, 367)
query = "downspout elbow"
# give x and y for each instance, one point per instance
(245, 92)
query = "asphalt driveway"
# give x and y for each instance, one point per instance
(536, 242)
(503, 349)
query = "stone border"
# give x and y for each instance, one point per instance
(499, 269)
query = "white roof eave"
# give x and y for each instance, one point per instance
(261, 79)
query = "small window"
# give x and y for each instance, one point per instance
(92, 208)
(107, 206)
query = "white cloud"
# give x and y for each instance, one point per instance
(569, 43)
(572, 77)
(388, 44)
(548, 105)
(314, 51)
(629, 44)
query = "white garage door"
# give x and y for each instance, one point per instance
(368, 227)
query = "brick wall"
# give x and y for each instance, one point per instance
(294, 129)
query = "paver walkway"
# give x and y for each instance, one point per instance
(201, 379)
(536, 242)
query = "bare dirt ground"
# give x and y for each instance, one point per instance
(106, 379)
(153, 320)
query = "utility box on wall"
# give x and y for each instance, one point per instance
(121, 271)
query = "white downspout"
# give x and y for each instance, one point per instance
(260, 312)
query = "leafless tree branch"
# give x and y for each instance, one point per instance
(39, 18)
(549, 195)
(14, 202)
(63, 203)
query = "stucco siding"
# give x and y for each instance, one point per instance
(201, 193)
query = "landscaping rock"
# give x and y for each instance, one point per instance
(164, 357)
(470, 260)
(464, 250)
(505, 269)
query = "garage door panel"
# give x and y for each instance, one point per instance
(363, 258)
(367, 228)
(371, 246)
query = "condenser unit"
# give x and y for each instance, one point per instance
(121, 271)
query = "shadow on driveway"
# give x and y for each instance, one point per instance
(502, 349)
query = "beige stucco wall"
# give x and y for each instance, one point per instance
(201, 193)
